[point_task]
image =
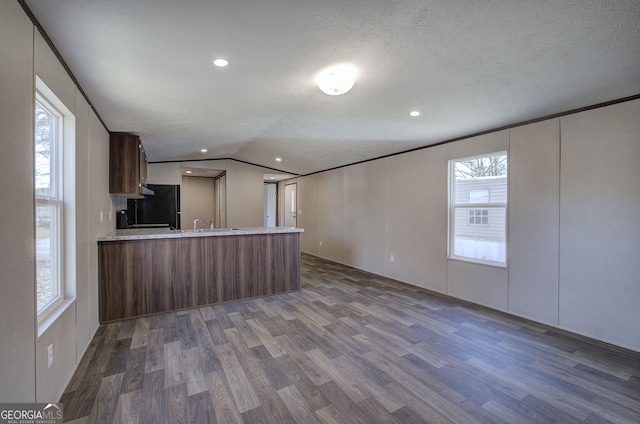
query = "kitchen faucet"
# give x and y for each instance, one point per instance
(195, 223)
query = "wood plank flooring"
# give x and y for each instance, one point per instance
(350, 347)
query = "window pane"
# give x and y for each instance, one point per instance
(45, 136)
(480, 179)
(46, 255)
(482, 166)
(481, 239)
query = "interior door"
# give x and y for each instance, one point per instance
(290, 200)
(270, 205)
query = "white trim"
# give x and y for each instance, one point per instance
(493, 264)
(63, 199)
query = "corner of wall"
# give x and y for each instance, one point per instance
(17, 291)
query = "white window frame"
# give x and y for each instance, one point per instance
(453, 206)
(62, 198)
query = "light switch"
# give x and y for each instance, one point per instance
(101, 216)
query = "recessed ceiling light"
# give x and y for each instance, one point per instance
(414, 113)
(203, 150)
(273, 178)
(221, 63)
(187, 172)
(278, 159)
(337, 79)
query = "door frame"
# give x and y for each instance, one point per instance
(295, 201)
(275, 203)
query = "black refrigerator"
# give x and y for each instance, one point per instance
(160, 210)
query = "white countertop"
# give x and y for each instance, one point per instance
(163, 233)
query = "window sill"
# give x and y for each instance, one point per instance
(477, 262)
(51, 318)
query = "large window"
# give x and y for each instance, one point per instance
(53, 147)
(478, 208)
(49, 203)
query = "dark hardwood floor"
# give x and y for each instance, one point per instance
(350, 347)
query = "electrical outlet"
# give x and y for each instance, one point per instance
(320, 243)
(50, 356)
(101, 216)
(392, 258)
(109, 215)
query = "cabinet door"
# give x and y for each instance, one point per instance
(143, 165)
(124, 164)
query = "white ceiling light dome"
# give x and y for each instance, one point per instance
(337, 79)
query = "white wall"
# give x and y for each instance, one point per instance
(24, 375)
(573, 233)
(364, 216)
(17, 287)
(534, 207)
(416, 218)
(600, 224)
(245, 197)
(164, 173)
(307, 217)
(330, 215)
(83, 242)
(100, 202)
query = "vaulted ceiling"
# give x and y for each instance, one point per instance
(466, 66)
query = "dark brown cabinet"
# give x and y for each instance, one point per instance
(127, 165)
(150, 276)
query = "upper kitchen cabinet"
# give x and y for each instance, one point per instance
(127, 165)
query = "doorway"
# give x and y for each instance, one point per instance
(290, 215)
(270, 204)
(203, 195)
(197, 200)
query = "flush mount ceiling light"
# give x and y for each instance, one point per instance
(337, 79)
(221, 63)
(278, 159)
(414, 113)
(203, 150)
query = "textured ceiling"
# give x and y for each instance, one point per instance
(467, 66)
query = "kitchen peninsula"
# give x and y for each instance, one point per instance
(144, 272)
